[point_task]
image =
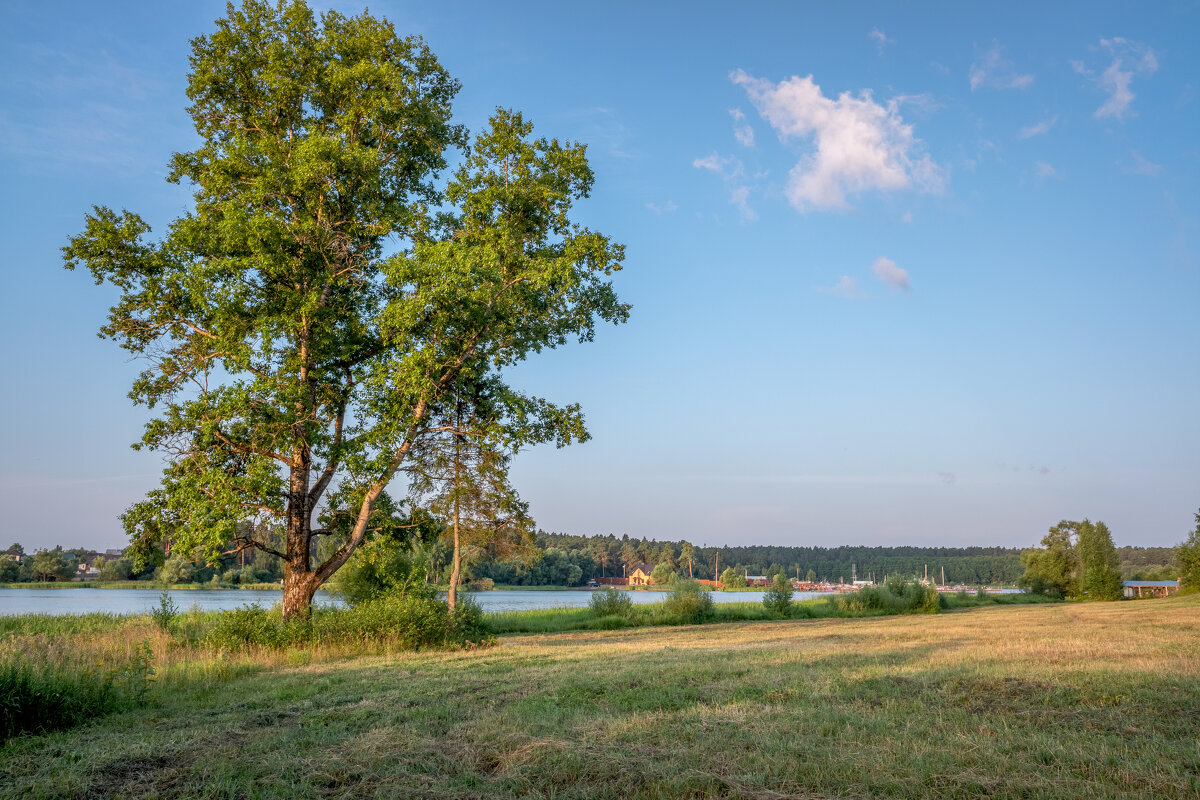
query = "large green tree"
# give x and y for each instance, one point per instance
(1187, 558)
(1053, 568)
(1099, 567)
(51, 565)
(306, 317)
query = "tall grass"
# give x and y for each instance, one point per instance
(59, 688)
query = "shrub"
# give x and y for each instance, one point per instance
(165, 612)
(898, 595)
(611, 603)
(981, 593)
(381, 567)
(778, 597)
(413, 621)
(482, 585)
(254, 625)
(689, 603)
(467, 622)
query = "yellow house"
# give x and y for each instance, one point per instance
(640, 575)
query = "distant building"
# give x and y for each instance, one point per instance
(639, 575)
(1151, 588)
(756, 580)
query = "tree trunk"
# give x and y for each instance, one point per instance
(298, 591)
(455, 561)
(299, 579)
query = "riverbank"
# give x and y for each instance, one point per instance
(1055, 701)
(147, 585)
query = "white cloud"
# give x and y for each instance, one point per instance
(880, 38)
(1044, 170)
(990, 69)
(860, 145)
(665, 208)
(741, 129)
(1141, 166)
(740, 196)
(722, 165)
(1129, 59)
(886, 270)
(1029, 131)
(730, 169)
(846, 287)
(907, 218)
(947, 478)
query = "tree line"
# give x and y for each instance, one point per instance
(1078, 560)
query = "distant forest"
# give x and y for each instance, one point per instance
(571, 560)
(599, 556)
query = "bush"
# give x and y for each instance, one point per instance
(254, 625)
(611, 603)
(413, 621)
(689, 603)
(165, 612)
(482, 585)
(778, 597)
(981, 593)
(898, 595)
(467, 624)
(382, 567)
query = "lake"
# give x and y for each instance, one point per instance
(139, 601)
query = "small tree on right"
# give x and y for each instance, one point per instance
(1187, 558)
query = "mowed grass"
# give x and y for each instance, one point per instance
(1072, 700)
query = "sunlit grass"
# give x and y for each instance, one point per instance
(1063, 700)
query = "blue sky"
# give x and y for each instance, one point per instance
(901, 273)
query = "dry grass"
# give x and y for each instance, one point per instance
(1096, 701)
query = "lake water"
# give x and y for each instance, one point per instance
(139, 601)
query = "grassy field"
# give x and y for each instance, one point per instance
(1072, 700)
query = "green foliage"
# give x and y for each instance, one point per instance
(385, 565)
(689, 602)
(411, 621)
(611, 603)
(1053, 569)
(482, 585)
(732, 579)
(117, 569)
(253, 625)
(897, 595)
(323, 360)
(663, 575)
(778, 597)
(51, 565)
(165, 612)
(176, 569)
(1187, 558)
(1100, 572)
(42, 695)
